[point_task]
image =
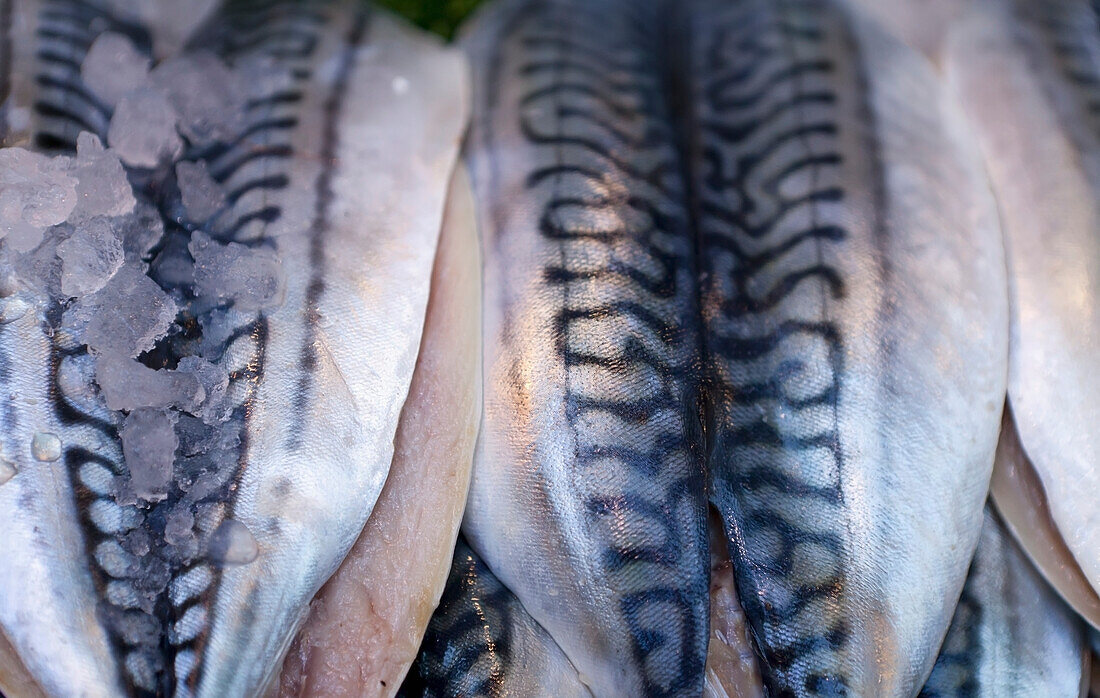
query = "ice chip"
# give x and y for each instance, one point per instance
(170, 22)
(45, 447)
(263, 75)
(40, 269)
(89, 257)
(215, 383)
(179, 525)
(128, 385)
(207, 95)
(113, 66)
(35, 193)
(232, 544)
(149, 447)
(102, 187)
(143, 129)
(202, 196)
(125, 317)
(13, 308)
(252, 279)
(140, 231)
(7, 470)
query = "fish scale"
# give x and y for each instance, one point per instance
(723, 214)
(305, 166)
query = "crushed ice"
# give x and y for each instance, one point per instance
(112, 248)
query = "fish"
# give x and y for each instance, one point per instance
(1025, 74)
(317, 382)
(803, 190)
(482, 642)
(366, 624)
(856, 333)
(587, 498)
(1011, 635)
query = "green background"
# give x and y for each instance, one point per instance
(439, 16)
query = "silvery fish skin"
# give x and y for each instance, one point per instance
(587, 499)
(1027, 73)
(482, 643)
(1011, 635)
(318, 383)
(366, 625)
(856, 328)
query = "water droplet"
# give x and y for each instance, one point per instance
(12, 308)
(45, 447)
(232, 544)
(7, 470)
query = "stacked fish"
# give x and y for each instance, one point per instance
(715, 340)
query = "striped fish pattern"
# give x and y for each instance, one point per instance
(713, 232)
(316, 385)
(481, 642)
(587, 498)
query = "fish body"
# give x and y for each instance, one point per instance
(856, 330)
(771, 215)
(587, 499)
(1026, 74)
(1011, 634)
(317, 381)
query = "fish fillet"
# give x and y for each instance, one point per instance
(366, 624)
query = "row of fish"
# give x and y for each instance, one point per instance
(705, 340)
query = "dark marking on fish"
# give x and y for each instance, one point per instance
(765, 66)
(467, 648)
(332, 111)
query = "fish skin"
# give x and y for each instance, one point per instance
(924, 25)
(587, 499)
(1040, 136)
(366, 624)
(482, 643)
(319, 440)
(1012, 635)
(856, 329)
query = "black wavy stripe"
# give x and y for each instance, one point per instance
(769, 169)
(1071, 29)
(467, 649)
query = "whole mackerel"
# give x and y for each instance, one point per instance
(317, 175)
